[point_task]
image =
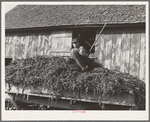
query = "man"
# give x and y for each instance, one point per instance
(80, 55)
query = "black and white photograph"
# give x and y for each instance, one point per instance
(77, 60)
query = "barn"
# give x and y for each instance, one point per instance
(32, 30)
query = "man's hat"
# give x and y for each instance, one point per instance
(75, 40)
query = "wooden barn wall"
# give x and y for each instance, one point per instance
(123, 50)
(23, 45)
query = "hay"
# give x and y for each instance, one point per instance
(56, 74)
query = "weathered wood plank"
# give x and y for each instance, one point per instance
(27, 47)
(49, 45)
(42, 45)
(108, 50)
(32, 45)
(135, 52)
(68, 43)
(14, 47)
(8, 46)
(20, 46)
(59, 44)
(35, 44)
(102, 45)
(125, 51)
(116, 50)
(39, 50)
(46, 47)
(61, 41)
(142, 72)
(23, 43)
(54, 43)
(97, 48)
(11, 46)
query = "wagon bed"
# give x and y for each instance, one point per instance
(70, 100)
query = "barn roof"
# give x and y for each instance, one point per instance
(30, 16)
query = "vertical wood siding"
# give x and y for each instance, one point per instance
(123, 50)
(135, 52)
(97, 48)
(101, 56)
(57, 43)
(116, 51)
(108, 49)
(142, 71)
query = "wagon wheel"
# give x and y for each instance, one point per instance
(10, 104)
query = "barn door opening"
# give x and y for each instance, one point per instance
(86, 38)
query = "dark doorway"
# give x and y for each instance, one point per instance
(86, 38)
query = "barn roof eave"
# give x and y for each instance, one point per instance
(77, 26)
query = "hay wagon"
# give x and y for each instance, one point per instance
(122, 43)
(18, 98)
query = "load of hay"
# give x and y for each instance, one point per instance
(55, 74)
